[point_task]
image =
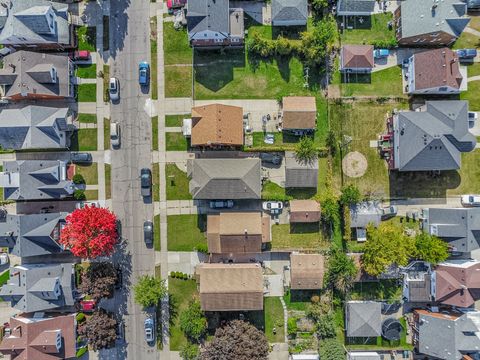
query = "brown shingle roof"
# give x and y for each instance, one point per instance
(217, 124)
(306, 271)
(438, 67)
(458, 285)
(234, 232)
(299, 112)
(304, 211)
(230, 287)
(357, 56)
(37, 339)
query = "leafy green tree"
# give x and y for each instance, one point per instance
(318, 44)
(341, 271)
(330, 208)
(431, 248)
(350, 195)
(305, 150)
(325, 326)
(331, 142)
(283, 46)
(331, 349)
(260, 46)
(189, 351)
(79, 195)
(149, 291)
(386, 246)
(193, 322)
(292, 327)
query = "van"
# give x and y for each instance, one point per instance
(115, 134)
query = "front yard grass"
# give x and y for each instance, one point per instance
(89, 172)
(175, 141)
(87, 38)
(176, 48)
(466, 40)
(386, 82)
(177, 183)
(87, 92)
(4, 277)
(156, 233)
(472, 95)
(375, 28)
(84, 140)
(298, 236)
(178, 81)
(155, 133)
(473, 69)
(91, 195)
(155, 182)
(273, 311)
(474, 22)
(87, 118)
(106, 133)
(153, 57)
(186, 232)
(181, 293)
(87, 71)
(175, 120)
(388, 290)
(108, 181)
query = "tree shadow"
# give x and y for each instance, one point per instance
(216, 319)
(289, 32)
(301, 193)
(304, 228)
(357, 22)
(355, 78)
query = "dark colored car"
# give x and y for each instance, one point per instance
(146, 182)
(148, 232)
(80, 158)
(466, 53)
(143, 73)
(272, 158)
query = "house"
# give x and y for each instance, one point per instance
(363, 319)
(28, 75)
(36, 180)
(418, 282)
(432, 138)
(40, 287)
(304, 211)
(355, 7)
(460, 228)
(299, 114)
(289, 12)
(363, 355)
(235, 179)
(300, 174)
(430, 23)
(35, 127)
(306, 271)
(446, 335)
(213, 24)
(41, 338)
(40, 24)
(434, 72)
(33, 234)
(362, 214)
(230, 287)
(356, 59)
(217, 125)
(237, 232)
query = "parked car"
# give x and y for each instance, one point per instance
(472, 116)
(269, 139)
(272, 206)
(220, 204)
(470, 200)
(146, 182)
(87, 306)
(115, 134)
(389, 211)
(82, 204)
(81, 55)
(81, 158)
(148, 233)
(381, 53)
(175, 4)
(143, 73)
(114, 89)
(272, 158)
(4, 259)
(149, 330)
(466, 53)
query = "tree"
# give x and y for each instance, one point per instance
(98, 280)
(318, 44)
(189, 351)
(78, 179)
(149, 290)
(386, 246)
(350, 195)
(330, 208)
(283, 46)
(325, 326)
(331, 349)
(341, 271)
(100, 330)
(193, 322)
(431, 249)
(331, 142)
(305, 150)
(237, 340)
(90, 232)
(79, 195)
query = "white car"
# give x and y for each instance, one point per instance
(4, 258)
(470, 200)
(272, 206)
(82, 204)
(114, 89)
(115, 135)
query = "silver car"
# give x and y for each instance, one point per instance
(115, 134)
(114, 89)
(149, 330)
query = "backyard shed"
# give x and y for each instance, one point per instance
(300, 174)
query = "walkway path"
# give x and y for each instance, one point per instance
(472, 31)
(285, 318)
(473, 78)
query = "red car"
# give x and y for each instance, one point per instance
(87, 305)
(175, 4)
(81, 55)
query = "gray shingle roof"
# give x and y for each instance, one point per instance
(289, 10)
(363, 319)
(35, 180)
(432, 139)
(365, 213)
(208, 15)
(29, 19)
(418, 17)
(460, 228)
(225, 178)
(299, 174)
(32, 235)
(351, 7)
(32, 287)
(33, 127)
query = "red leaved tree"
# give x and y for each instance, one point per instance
(90, 232)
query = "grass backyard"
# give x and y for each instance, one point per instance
(186, 232)
(298, 300)
(474, 22)
(87, 118)
(108, 181)
(178, 81)
(4, 277)
(89, 172)
(388, 290)
(87, 92)
(84, 140)
(87, 71)
(375, 28)
(177, 183)
(176, 48)
(175, 141)
(156, 233)
(273, 312)
(467, 40)
(181, 293)
(472, 95)
(155, 181)
(87, 38)
(155, 133)
(298, 236)
(175, 120)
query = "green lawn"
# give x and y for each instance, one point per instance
(467, 40)
(298, 236)
(87, 92)
(87, 38)
(175, 120)
(91, 195)
(474, 22)
(89, 173)
(87, 118)
(186, 232)
(153, 57)
(87, 71)
(108, 181)
(273, 191)
(178, 81)
(175, 141)
(472, 95)
(386, 82)
(4, 277)
(156, 233)
(373, 29)
(155, 181)
(177, 183)
(467, 176)
(181, 293)
(388, 290)
(273, 312)
(106, 133)
(84, 140)
(473, 69)
(155, 133)
(176, 48)
(298, 300)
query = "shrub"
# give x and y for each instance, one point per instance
(81, 352)
(389, 44)
(78, 179)
(292, 327)
(80, 317)
(202, 248)
(79, 195)
(350, 195)
(315, 299)
(347, 221)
